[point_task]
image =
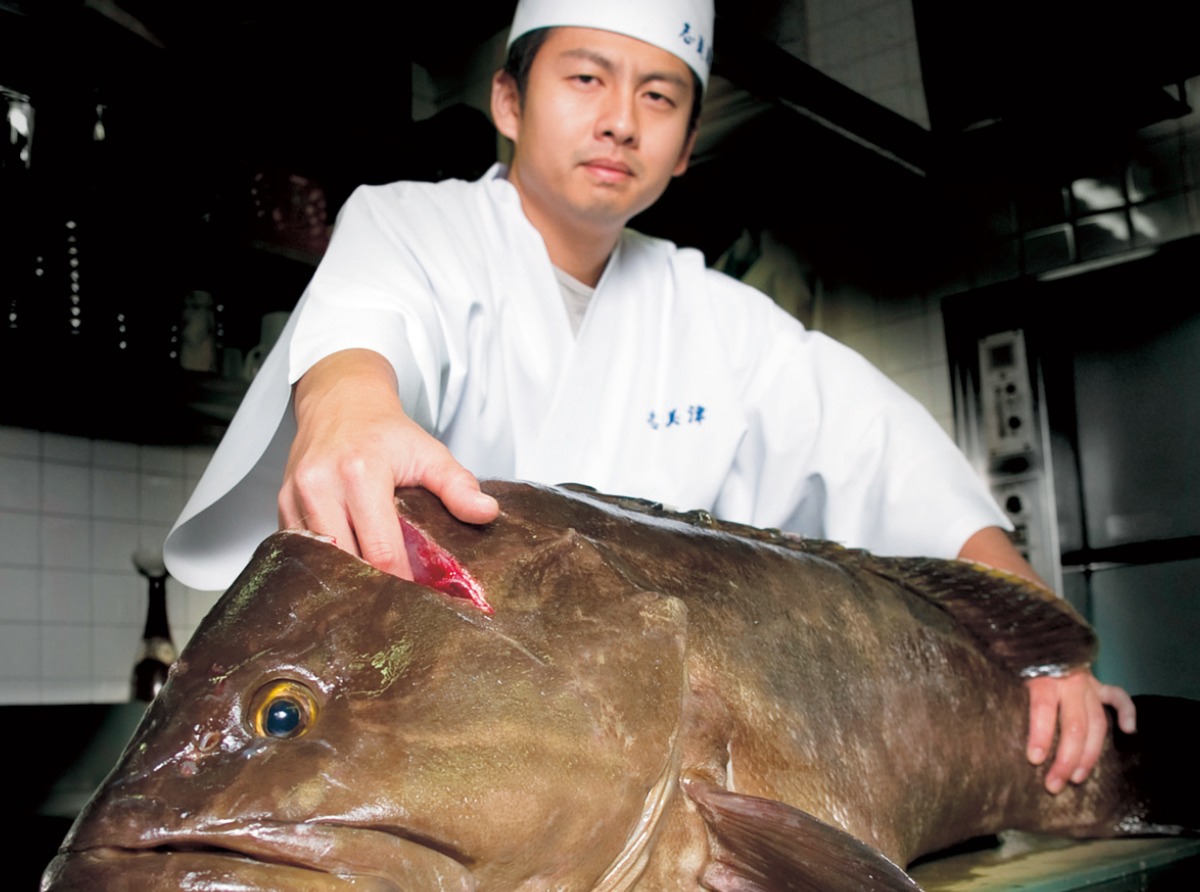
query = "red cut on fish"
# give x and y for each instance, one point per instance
(436, 568)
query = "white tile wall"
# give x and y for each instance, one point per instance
(72, 511)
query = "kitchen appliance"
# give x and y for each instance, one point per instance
(1078, 397)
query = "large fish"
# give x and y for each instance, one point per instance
(592, 694)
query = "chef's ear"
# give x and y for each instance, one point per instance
(506, 104)
(686, 154)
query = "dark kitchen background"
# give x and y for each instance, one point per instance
(169, 173)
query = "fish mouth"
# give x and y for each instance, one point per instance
(263, 855)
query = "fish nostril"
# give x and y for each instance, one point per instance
(209, 741)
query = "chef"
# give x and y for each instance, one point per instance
(515, 327)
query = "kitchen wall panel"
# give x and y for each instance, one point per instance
(72, 511)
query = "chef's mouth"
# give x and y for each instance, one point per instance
(604, 165)
(436, 568)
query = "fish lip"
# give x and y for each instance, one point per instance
(188, 859)
(122, 870)
(324, 847)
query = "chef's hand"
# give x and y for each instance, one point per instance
(354, 446)
(1074, 704)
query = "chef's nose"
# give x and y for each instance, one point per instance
(618, 119)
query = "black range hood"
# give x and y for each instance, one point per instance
(1048, 82)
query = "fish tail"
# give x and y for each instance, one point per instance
(1159, 770)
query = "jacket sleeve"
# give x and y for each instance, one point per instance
(368, 292)
(372, 292)
(836, 449)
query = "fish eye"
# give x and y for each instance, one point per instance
(283, 709)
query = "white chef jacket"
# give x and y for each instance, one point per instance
(683, 386)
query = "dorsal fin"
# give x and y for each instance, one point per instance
(702, 519)
(1021, 624)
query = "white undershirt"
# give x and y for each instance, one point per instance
(576, 297)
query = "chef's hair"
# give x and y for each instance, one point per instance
(525, 48)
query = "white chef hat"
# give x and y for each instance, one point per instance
(683, 28)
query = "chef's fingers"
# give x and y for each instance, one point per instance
(459, 491)
(1082, 725)
(371, 504)
(351, 502)
(299, 512)
(286, 511)
(1096, 729)
(1048, 710)
(1072, 733)
(1082, 691)
(1113, 696)
(1043, 718)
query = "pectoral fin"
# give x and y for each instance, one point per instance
(760, 845)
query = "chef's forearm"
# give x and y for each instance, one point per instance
(364, 372)
(991, 546)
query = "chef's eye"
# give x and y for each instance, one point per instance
(283, 709)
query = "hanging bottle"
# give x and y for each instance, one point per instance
(156, 652)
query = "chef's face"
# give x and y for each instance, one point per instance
(601, 129)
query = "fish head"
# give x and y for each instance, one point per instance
(329, 721)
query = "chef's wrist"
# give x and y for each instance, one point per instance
(359, 373)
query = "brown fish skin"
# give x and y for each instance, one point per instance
(582, 736)
(430, 717)
(892, 724)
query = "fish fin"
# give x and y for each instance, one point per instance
(1022, 625)
(761, 845)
